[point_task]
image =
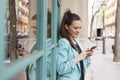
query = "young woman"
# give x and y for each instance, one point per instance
(71, 59)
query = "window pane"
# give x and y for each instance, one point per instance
(49, 13)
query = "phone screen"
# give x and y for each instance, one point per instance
(93, 47)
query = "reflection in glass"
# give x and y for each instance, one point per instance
(49, 13)
(49, 24)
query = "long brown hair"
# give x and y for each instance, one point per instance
(67, 19)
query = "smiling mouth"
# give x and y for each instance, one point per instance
(77, 34)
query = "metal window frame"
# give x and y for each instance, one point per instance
(39, 55)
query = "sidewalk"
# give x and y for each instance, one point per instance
(102, 65)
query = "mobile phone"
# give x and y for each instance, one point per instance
(93, 47)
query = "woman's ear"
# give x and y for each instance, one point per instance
(66, 27)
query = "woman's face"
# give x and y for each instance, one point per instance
(74, 28)
(33, 26)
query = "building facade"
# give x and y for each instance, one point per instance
(110, 14)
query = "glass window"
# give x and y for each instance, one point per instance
(49, 13)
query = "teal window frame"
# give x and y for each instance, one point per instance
(44, 45)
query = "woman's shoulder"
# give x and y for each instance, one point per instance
(63, 41)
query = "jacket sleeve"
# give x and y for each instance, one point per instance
(63, 64)
(87, 62)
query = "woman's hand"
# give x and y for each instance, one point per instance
(80, 57)
(89, 53)
(21, 52)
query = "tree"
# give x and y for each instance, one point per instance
(92, 19)
(117, 34)
(13, 40)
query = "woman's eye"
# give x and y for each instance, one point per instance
(77, 27)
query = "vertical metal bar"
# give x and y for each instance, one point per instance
(41, 70)
(54, 38)
(54, 20)
(103, 33)
(41, 19)
(3, 19)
